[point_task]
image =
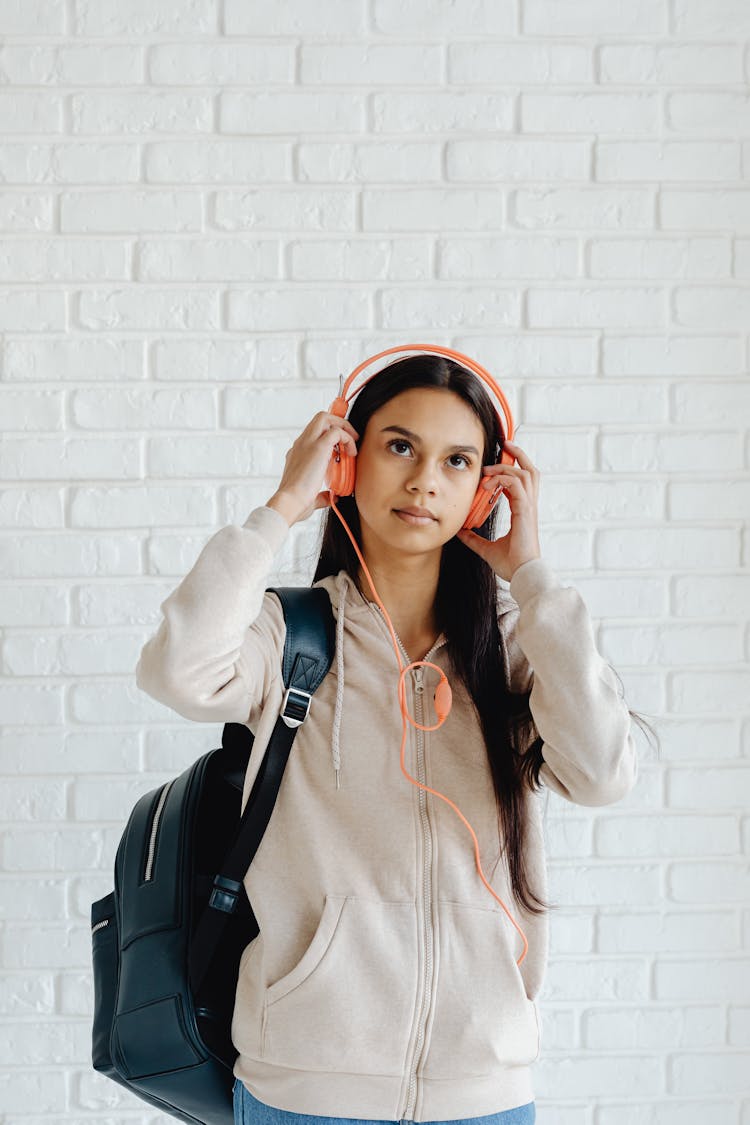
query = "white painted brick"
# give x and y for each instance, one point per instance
(671, 1112)
(719, 403)
(26, 112)
(145, 17)
(597, 306)
(76, 993)
(38, 898)
(85, 64)
(715, 789)
(279, 209)
(42, 1044)
(509, 258)
(710, 499)
(577, 208)
(374, 162)
(69, 556)
(136, 112)
(137, 309)
(415, 311)
(141, 507)
(226, 162)
(66, 163)
(143, 408)
(595, 403)
(42, 1089)
(27, 18)
(664, 64)
(514, 160)
(659, 258)
(18, 212)
(669, 836)
(593, 17)
(599, 500)
(598, 978)
(65, 259)
(45, 799)
(667, 160)
(390, 17)
(33, 410)
(60, 459)
(391, 259)
(667, 548)
(294, 17)
(404, 209)
(671, 451)
(591, 113)
(214, 64)
(707, 113)
(441, 111)
(705, 210)
(674, 646)
(359, 64)
(293, 308)
(686, 739)
(73, 360)
(675, 355)
(297, 112)
(699, 1073)
(223, 360)
(135, 211)
(630, 1029)
(111, 798)
(708, 595)
(726, 307)
(519, 62)
(221, 259)
(677, 931)
(739, 1027)
(722, 691)
(723, 18)
(32, 310)
(79, 752)
(709, 882)
(33, 605)
(708, 980)
(598, 884)
(26, 945)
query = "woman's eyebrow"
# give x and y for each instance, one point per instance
(418, 441)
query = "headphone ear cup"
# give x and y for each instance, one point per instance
(341, 473)
(483, 503)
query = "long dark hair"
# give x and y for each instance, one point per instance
(514, 746)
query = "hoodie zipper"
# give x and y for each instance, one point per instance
(429, 933)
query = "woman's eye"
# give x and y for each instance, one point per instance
(401, 441)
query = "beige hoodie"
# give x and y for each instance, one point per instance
(384, 981)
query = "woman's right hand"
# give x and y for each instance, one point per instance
(306, 465)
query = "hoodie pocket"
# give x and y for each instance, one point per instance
(348, 1004)
(483, 1018)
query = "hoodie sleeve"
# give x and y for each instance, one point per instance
(220, 643)
(589, 753)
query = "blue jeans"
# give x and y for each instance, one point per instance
(249, 1111)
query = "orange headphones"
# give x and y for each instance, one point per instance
(340, 479)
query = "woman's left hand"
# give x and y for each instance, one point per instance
(521, 485)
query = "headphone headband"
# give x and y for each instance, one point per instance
(341, 404)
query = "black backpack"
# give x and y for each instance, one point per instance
(166, 943)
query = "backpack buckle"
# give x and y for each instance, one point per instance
(295, 706)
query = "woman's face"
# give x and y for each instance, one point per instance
(437, 465)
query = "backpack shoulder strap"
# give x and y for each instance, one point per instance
(309, 647)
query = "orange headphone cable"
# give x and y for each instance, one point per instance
(414, 723)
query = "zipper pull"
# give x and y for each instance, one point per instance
(419, 687)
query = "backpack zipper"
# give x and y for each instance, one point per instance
(154, 829)
(98, 926)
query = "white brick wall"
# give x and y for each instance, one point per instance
(210, 209)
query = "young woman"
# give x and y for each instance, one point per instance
(395, 975)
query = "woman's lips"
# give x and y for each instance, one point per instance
(417, 521)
